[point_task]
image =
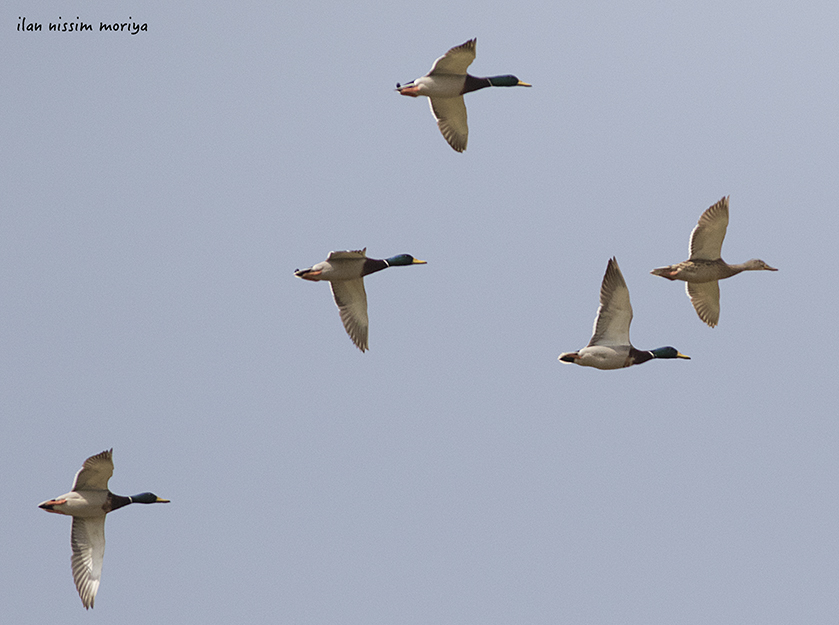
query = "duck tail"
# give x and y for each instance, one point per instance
(664, 272)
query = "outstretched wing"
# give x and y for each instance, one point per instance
(351, 299)
(95, 472)
(705, 297)
(456, 60)
(611, 326)
(450, 114)
(708, 234)
(88, 541)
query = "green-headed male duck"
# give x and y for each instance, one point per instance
(445, 85)
(88, 503)
(704, 269)
(609, 347)
(345, 272)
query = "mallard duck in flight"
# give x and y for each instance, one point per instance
(445, 85)
(609, 347)
(88, 503)
(345, 272)
(704, 269)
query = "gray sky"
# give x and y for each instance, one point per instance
(159, 190)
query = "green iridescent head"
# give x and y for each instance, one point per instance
(147, 498)
(402, 260)
(668, 352)
(507, 80)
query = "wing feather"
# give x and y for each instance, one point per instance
(611, 326)
(705, 297)
(450, 114)
(95, 472)
(347, 254)
(88, 541)
(708, 234)
(456, 60)
(351, 299)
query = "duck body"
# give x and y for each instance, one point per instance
(705, 268)
(455, 85)
(446, 83)
(609, 347)
(345, 271)
(94, 503)
(599, 357)
(617, 357)
(349, 265)
(88, 503)
(439, 86)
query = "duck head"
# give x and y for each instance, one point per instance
(507, 80)
(147, 498)
(402, 260)
(756, 264)
(668, 352)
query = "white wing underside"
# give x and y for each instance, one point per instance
(611, 326)
(708, 234)
(95, 472)
(351, 299)
(705, 297)
(87, 539)
(455, 61)
(450, 114)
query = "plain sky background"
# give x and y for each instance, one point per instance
(159, 189)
